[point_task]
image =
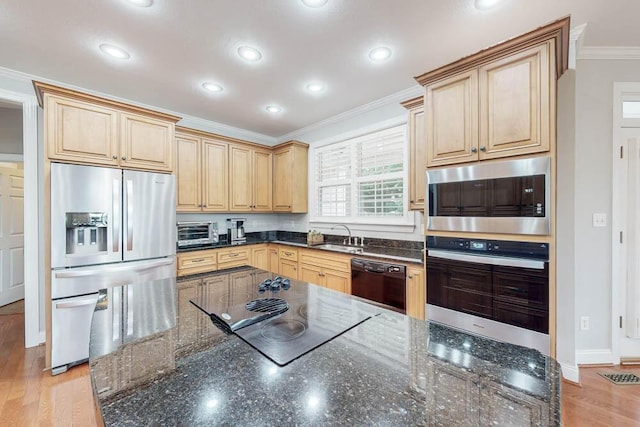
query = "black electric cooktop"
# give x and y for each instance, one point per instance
(280, 317)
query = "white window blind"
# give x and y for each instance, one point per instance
(362, 179)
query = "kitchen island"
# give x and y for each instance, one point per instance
(156, 359)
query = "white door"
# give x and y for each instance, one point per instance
(11, 235)
(630, 291)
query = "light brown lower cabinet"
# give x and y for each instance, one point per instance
(260, 257)
(197, 262)
(416, 292)
(274, 259)
(288, 268)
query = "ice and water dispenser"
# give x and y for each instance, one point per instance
(86, 232)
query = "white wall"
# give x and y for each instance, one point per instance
(10, 130)
(565, 228)
(593, 134)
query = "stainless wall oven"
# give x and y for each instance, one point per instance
(499, 289)
(495, 197)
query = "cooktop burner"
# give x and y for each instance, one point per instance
(281, 318)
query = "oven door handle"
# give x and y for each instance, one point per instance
(492, 260)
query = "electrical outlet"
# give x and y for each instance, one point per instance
(584, 323)
(599, 219)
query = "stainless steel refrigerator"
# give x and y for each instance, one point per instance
(109, 227)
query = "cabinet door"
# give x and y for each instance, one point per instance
(188, 173)
(514, 108)
(288, 268)
(282, 181)
(453, 385)
(188, 319)
(417, 159)
(274, 263)
(240, 179)
(146, 143)
(337, 280)
(196, 262)
(262, 181)
(504, 406)
(416, 288)
(311, 274)
(81, 132)
(452, 119)
(260, 257)
(233, 257)
(215, 176)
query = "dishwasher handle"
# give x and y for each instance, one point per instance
(391, 270)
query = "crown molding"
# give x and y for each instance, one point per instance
(226, 130)
(576, 38)
(394, 98)
(609, 52)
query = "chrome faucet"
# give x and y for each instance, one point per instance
(347, 228)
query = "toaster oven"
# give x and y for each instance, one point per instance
(197, 233)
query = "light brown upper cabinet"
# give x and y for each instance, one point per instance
(202, 173)
(250, 179)
(86, 129)
(290, 166)
(498, 102)
(417, 152)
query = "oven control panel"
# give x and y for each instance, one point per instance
(530, 250)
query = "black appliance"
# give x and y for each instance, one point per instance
(494, 288)
(380, 282)
(281, 318)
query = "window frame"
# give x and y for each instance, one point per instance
(407, 219)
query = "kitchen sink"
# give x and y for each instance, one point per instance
(340, 248)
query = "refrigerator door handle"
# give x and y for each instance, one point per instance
(77, 303)
(65, 274)
(129, 215)
(115, 226)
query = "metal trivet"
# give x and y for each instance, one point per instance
(267, 304)
(618, 378)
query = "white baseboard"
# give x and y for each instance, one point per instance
(594, 357)
(570, 372)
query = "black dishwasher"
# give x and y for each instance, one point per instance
(380, 282)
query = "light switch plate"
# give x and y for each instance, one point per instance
(599, 219)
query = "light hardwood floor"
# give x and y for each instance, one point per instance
(30, 396)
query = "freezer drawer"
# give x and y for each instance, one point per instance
(70, 331)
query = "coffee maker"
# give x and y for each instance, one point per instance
(235, 230)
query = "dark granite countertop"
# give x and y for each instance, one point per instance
(160, 361)
(393, 250)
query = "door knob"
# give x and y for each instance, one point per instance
(124, 157)
(474, 150)
(115, 157)
(483, 148)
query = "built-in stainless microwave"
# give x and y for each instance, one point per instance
(509, 196)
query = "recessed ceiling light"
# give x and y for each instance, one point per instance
(141, 3)
(315, 87)
(212, 87)
(380, 54)
(485, 4)
(314, 3)
(114, 51)
(273, 109)
(249, 53)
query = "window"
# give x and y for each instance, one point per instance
(362, 180)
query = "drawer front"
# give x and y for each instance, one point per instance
(196, 262)
(290, 254)
(326, 260)
(234, 256)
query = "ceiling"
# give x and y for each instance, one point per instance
(175, 46)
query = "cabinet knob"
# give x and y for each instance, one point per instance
(474, 150)
(410, 276)
(411, 201)
(124, 157)
(115, 157)
(483, 148)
